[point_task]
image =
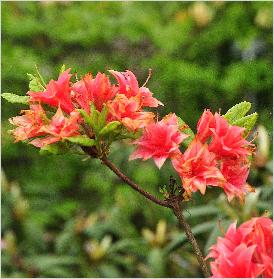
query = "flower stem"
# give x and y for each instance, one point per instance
(178, 213)
(133, 185)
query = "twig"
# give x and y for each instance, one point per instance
(178, 213)
(132, 184)
(173, 203)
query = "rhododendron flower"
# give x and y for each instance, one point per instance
(57, 93)
(246, 252)
(128, 111)
(262, 236)
(205, 123)
(59, 128)
(97, 90)
(29, 124)
(197, 168)
(159, 141)
(231, 150)
(236, 171)
(128, 85)
(227, 140)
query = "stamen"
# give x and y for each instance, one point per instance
(149, 76)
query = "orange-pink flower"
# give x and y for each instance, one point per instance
(129, 112)
(97, 90)
(236, 171)
(29, 124)
(246, 252)
(159, 141)
(262, 236)
(57, 93)
(197, 168)
(226, 140)
(59, 128)
(205, 123)
(231, 150)
(128, 85)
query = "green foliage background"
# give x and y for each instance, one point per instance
(63, 216)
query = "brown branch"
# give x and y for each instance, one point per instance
(173, 202)
(132, 184)
(178, 213)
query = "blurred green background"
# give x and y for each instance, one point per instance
(68, 216)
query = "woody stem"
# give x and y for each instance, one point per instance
(178, 213)
(132, 184)
(174, 204)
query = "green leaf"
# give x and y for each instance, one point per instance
(238, 111)
(201, 211)
(84, 114)
(54, 148)
(40, 76)
(109, 270)
(15, 99)
(198, 229)
(94, 118)
(126, 245)
(109, 128)
(82, 140)
(62, 69)
(250, 205)
(212, 238)
(44, 262)
(35, 84)
(102, 118)
(247, 122)
(123, 133)
(156, 263)
(236, 116)
(58, 272)
(186, 130)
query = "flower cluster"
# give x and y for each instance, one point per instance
(94, 112)
(217, 155)
(244, 252)
(124, 102)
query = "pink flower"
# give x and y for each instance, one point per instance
(205, 123)
(97, 90)
(197, 168)
(59, 128)
(246, 252)
(128, 85)
(29, 124)
(159, 141)
(129, 112)
(231, 150)
(227, 140)
(236, 171)
(81, 92)
(262, 236)
(57, 93)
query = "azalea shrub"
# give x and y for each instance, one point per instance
(86, 115)
(64, 213)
